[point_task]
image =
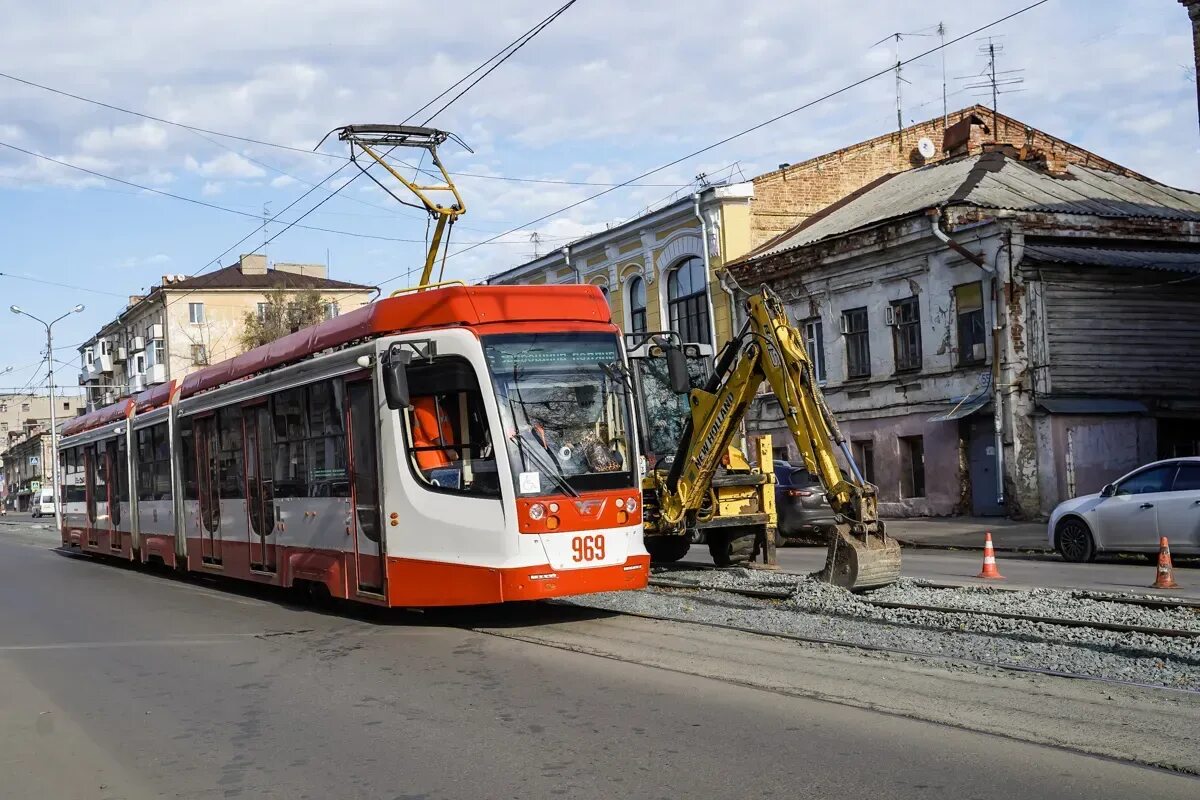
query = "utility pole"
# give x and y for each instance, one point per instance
(53, 414)
(941, 31)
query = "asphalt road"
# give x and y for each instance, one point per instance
(122, 684)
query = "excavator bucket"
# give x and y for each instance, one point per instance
(856, 563)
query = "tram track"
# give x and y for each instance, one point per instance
(774, 594)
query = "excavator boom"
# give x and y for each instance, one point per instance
(769, 348)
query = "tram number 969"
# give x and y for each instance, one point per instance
(587, 548)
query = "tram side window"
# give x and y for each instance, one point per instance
(449, 442)
(229, 422)
(154, 463)
(325, 445)
(187, 439)
(290, 471)
(76, 492)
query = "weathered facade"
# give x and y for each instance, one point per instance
(21, 414)
(186, 323)
(1063, 310)
(26, 467)
(659, 271)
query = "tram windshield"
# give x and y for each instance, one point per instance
(565, 411)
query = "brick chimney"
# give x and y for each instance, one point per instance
(1193, 9)
(252, 264)
(967, 136)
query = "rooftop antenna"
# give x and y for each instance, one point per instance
(369, 139)
(535, 240)
(991, 80)
(941, 32)
(266, 212)
(900, 79)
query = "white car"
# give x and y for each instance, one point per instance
(43, 504)
(1130, 514)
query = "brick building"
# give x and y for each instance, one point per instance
(999, 331)
(789, 195)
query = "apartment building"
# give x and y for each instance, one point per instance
(21, 414)
(185, 323)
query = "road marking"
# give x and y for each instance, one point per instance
(224, 638)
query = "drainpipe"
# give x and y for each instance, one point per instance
(712, 317)
(566, 251)
(735, 321)
(935, 225)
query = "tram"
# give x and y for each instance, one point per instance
(452, 445)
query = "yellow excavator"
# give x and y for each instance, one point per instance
(685, 491)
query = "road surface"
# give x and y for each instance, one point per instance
(123, 684)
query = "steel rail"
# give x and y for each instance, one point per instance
(777, 594)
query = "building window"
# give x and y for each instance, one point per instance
(912, 466)
(3, 408)
(4, 427)
(196, 313)
(864, 456)
(972, 332)
(331, 310)
(24, 406)
(155, 353)
(262, 312)
(637, 305)
(199, 355)
(140, 363)
(89, 357)
(814, 343)
(858, 345)
(906, 334)
(687, 301)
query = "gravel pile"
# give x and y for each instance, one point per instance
(822, 611)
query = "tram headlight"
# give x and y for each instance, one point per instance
(620, 502)
(631, 505)
(537, 511)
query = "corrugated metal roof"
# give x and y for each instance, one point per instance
(1114, 257)
(993, 180)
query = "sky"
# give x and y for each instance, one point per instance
(610, 90)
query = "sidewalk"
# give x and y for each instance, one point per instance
(968, 532)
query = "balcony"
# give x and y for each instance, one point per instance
(121, 355)
(106, 362)
(156, 374)
(137, 383)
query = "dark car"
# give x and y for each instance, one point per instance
(800, 503)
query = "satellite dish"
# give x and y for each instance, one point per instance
(925, 147)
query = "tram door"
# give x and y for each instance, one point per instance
(114, 462)
(364, 486)
(260, 485)
(207, 438)
(93, 484)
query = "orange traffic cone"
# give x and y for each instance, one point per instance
(989, 561)
(1165, 577)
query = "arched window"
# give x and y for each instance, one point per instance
(687, 301)
(637, 305)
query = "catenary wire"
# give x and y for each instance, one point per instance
(751, 129)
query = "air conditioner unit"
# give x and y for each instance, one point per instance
(106, 362)
(889, 316)
(110, 397)
(137, 383)
(156, 374)
(156, 331)
(138, 344)
(121, 355)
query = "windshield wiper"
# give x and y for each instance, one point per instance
(554, 473)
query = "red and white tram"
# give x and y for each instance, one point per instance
(456, 445)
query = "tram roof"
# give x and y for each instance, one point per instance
(443, 307)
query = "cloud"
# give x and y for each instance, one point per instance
(137, 262)
(283, 180)
(212, 188)
(226, 165)
(123, 138)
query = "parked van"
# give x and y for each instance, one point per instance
(43, 504)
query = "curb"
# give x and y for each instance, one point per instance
(35, 525)
(977, 548)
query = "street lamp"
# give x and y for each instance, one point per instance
(53, 416)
